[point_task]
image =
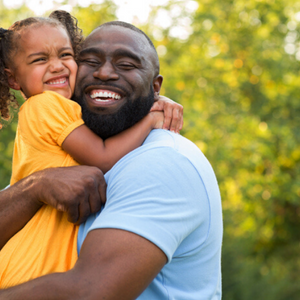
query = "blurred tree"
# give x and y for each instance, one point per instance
(94, 15)
(234, 65)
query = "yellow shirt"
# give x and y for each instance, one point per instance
(48, 242)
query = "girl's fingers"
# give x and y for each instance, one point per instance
(167, 116)
(173, 113)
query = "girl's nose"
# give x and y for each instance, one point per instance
(56, 66)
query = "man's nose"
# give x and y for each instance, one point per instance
(106, 72)
(56, 65)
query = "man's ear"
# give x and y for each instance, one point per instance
(13, 84)
(157, 82)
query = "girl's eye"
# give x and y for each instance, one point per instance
(67, 55)
(39, 59)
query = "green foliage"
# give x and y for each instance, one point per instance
(7, 134)
(93, 16)
(6, 148)
(237, 76)
(8, 16)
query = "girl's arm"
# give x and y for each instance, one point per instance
(89, 149)
(173, 113)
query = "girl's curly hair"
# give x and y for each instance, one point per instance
(7, 98)
(71, 24)
(9, 47)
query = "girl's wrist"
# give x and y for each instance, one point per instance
(150, 120)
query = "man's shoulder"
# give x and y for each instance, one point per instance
(173, 147)
(164, 152)
(166, 138)
(162, 146)
(169, 142)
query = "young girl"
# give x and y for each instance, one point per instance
(37, 56)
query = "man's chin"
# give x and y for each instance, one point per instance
(106, 122)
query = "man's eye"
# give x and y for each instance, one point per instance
(126, 66)
(89, 62)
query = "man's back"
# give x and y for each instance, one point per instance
(166, 192)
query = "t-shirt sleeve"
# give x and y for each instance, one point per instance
(50, 118)
(156, 194)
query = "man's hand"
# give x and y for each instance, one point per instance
(79, 191)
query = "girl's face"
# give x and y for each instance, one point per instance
(44, 62)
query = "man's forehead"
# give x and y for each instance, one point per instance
(118, 37)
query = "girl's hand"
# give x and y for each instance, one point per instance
(173, 113)
(157, 119)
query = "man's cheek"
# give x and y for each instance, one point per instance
(83, 71)
(142, 86)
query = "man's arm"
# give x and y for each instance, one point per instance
(17, 205)
(145, 205)
(113, 264)
(77, 190)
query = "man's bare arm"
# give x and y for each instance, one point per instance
(77, 190)
(113, 264)
(17, 205)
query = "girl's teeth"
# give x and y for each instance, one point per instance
(61, 81)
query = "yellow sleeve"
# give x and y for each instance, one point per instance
(48, 118)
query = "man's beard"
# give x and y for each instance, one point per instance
(129, 114)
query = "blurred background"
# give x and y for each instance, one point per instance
(234, 66)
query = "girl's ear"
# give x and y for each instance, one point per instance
(157, 82)
(13, 84)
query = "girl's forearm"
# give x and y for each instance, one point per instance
(89, 149)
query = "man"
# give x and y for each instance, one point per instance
(160, 233)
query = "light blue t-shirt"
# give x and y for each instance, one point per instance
(166, 192)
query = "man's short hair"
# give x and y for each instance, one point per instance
(129, 26)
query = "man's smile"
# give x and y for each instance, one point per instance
(104, 95)
(100, 96)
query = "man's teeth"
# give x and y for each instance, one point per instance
(105, 95)
(58, 81)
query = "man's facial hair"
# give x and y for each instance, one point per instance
(129, 114)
